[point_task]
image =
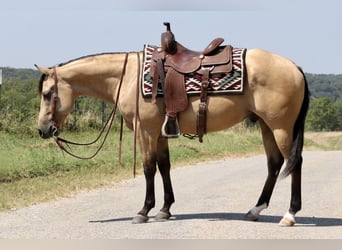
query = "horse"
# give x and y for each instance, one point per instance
(275, 94)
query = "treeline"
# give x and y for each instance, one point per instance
(323, 85)
(19, 104)
(325, 112)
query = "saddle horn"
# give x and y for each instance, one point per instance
(168, 41)
(168, 27)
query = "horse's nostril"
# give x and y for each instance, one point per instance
(45, 135)
(40, 132)
(54, 131)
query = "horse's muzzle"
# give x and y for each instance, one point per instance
(48, 132)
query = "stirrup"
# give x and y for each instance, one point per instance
(170, 128)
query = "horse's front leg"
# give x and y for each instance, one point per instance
(149, 172)
(163, 160)
(148, 147)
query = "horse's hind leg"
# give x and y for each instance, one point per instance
(278, 143)
(296, 197)
(290, 145)
(163, 160)
(274, 162)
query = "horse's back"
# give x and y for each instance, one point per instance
(264, 67)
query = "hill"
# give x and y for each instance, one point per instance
(325, 85)
(20, 74)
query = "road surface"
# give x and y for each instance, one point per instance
(211, 201)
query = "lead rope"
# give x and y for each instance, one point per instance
(137, 117)
(120, 141)
(59, 141)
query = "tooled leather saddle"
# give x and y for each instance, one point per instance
(171, 63)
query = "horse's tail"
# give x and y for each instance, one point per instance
(295, 158)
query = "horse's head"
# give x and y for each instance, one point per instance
(57, 100)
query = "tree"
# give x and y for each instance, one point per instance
(338, 106)
(323, 115)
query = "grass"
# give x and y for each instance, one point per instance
(33, 170)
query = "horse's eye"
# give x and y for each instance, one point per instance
(47, 96)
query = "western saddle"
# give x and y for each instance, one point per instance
(171, 63)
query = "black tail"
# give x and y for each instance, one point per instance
(295, 158)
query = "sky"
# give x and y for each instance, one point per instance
(51, 32)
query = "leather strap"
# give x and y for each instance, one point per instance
(161, 73)
(202, 110)
(205, 84)
(158, 75)
(55, 98)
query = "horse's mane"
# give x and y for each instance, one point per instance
(43, 76)
(88, 56)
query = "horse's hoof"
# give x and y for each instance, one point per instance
(287, 221)
(254, 213)
(162, 216)
(252, 216)
(140, 219)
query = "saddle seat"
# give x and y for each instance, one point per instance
(186, 60)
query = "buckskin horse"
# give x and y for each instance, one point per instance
(275, 93)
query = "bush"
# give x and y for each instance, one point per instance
(324, 115)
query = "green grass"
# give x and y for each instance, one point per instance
(33, 170)
(23, 158)
(32, 157)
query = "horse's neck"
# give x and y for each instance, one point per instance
(96, 76)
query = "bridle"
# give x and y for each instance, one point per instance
(55, 98)
(60, 141)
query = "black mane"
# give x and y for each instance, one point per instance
(43, 76)
(88, 56)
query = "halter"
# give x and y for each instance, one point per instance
(59, 141)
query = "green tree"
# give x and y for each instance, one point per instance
(338, 106)
(323, 115)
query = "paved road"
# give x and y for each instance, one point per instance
(211, 200)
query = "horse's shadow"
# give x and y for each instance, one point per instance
(300, 220)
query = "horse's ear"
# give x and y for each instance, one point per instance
(42, 69)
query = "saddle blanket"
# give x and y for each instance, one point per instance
(219, 84)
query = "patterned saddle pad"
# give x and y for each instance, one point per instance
(219, 84)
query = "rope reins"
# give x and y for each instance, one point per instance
(137, 117)
(59, 141)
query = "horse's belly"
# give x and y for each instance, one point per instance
(222, 113)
